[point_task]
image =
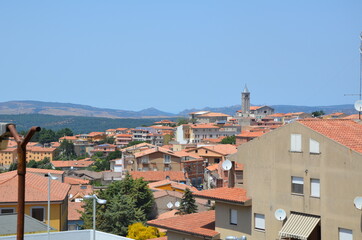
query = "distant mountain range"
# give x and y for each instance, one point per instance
(69, 109)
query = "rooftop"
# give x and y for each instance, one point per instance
(153, 176)
(344, 131)
(232, 195)
(201, 224)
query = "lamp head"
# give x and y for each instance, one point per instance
(101, 201)
(52, 177)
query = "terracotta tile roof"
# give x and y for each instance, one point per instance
(138, 146)
(73, 208)
(200, 224)
(124, 135)
(75, 181)
(255, 107)
(251, 134)
(204, 125)
(153, 176)
(45, 171)
(277, 115)
(213, 167)
(157, 149)
(36, 188)
(78, 191)
(40, 149)
(165, 121)
(69, 138)
(233, 195)
(344, 131)
(75, 163)
(294, 114)
(184, 153)
(353, 117)
(168, 214)
(224, 149)
(121, 129)
(160, 238)
(181, 186)
(213, 114)
(93, 134)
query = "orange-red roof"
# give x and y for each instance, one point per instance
(154, 150)
(40, 149)
(75, 181)
(36, 188)
(45, 171)
(73, 208)
(76, 163)
(224, 149)
(181, 186)
(344, 131)
(255, 107)
(251, 134)
(213, 114)
(204, 125)
(353, 117)
(277, 115)
(199, 224)
(234, 195)
(152, 176)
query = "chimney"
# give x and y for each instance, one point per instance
(231, 182)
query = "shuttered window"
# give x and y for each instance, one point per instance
(345, 234)
(233, 217)
(259, 221)
(313, 146)
(295, 142)
(297, 185)
(315, 188)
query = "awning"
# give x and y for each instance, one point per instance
(299, 226)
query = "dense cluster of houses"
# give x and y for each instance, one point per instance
(291, 176)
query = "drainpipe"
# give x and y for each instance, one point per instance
(21, 174)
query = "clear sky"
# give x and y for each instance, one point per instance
(174, 55)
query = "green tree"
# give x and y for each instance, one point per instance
(132, 143)
(228, 140)
(187, 204)
(139, 231)
(66, 151)
(114, 155)
(107, 140)
(128, 202)
(13, 166)
(47, 136)
(43, 164)
(318, 113)
(64, 132)
(182, 121)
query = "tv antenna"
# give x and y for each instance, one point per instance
(358, 103)
(280, 214)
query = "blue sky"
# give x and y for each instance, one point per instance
(174, 55)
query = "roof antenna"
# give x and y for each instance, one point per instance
(358, 103)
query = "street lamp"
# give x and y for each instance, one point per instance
(50, 177)
(100, 201)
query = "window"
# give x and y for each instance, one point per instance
(297, 185)
(167, 158)
(7, 210)
(313, 146)
(233, 217)
(315, 188)
(345, 234)
(296, 143)
(38, 213)
(259, 221)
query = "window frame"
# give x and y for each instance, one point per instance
(311, 187)
(6, 208)
(345, 230)
(233, 216)
(294, 180)
(312, 145)
(296, 142)
(259, 219)
(38, 207)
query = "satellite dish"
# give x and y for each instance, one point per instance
(358, 105)
(177, 204)
(226, 165)
(130, 162)
(358, 202)
(169, 205)
(280, 214)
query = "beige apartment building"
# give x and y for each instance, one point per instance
(310, 169)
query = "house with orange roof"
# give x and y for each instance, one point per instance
(353, 117)
(39, 153)
(165, 122)
(36, 198)
(122, 130)
(209, 117)
(170, 186)
(302, 179)
(195, 226)
(214, 153)
(154, 176)
(104, 148)
(155, 159)
(335, 115)
(69, 139)
(122, 140)
(246, 136)
(73, 164)
(8, 156)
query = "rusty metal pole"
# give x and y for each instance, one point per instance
(21, 174)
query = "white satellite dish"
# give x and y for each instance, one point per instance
(177, 204)
(280, 214)
(226, 165)
(130, 162)
(358, 105)
(358, 202)
(169, 205)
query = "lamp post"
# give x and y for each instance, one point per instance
(50, 177)
(100, 201)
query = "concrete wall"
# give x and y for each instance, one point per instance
(156, 160)
(269, 165)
